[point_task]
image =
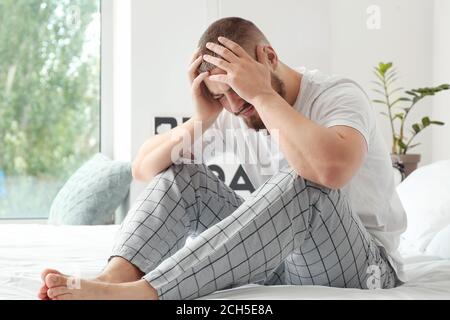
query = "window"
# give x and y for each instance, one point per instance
(49, 99)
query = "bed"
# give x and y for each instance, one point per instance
(26, 249)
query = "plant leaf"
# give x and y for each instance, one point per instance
(379, 91)
(379, 101)
(425, 121)
(401, 144)
(395, 90)
(393, 74)
(430, 91)
(414, 145)
(379, 76)
(399, 100)
(389, 74)
(411, 93)
(378, 83)
(391, 81)
(384, 67)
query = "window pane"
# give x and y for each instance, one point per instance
(49, 99)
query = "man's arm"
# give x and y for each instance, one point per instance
(161, 151)
(328, 156)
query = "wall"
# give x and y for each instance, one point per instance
(330, 35)
(298, 29)
(164, 36)
(404, 38)
(441, 74)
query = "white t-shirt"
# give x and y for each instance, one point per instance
(330, 101)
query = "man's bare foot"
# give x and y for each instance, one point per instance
(42, 294)
(118, 270)
(62, 287)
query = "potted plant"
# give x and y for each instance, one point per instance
(398, 109)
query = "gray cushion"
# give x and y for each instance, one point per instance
(92, 193)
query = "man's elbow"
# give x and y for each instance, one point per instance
(335, 177)
(137, 173)
(331, 178)
(333, 181)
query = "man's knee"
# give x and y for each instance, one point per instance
(300, 182)
(183, 173)
(184, 168)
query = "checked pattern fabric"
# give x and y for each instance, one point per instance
(290, 231)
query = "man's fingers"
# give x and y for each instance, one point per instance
(222, 51)
(219, 78)
(193, 68)
(222, 64)
(199, 79)
(234, 47)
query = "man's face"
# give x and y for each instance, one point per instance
(235, 104)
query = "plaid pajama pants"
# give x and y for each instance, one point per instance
(289, 231)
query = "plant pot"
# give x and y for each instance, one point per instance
(408, 161)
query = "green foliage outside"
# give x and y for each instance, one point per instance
(49, 99)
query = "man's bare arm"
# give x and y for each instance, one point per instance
(328, 156)
(161, 151)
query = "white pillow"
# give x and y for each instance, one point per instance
(440, 244)
(425, 195)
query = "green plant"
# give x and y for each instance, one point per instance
(396, 111)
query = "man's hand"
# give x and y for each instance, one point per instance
(249, 78)
(207, 108)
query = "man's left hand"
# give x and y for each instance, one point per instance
(249, 78)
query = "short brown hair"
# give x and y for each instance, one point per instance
(243, 32)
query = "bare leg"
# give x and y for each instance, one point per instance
(118, 270)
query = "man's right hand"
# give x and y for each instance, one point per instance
(207, 108)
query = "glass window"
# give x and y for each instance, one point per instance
(49, 99)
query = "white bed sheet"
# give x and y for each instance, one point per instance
(25, 250)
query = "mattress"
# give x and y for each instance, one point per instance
(25, 250)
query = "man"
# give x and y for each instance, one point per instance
(329, 217)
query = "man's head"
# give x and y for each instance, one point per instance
(248, 36)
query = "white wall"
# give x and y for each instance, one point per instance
(330, 35)
(164, 36)
(299, 30)
(404, 38)
(441, 68)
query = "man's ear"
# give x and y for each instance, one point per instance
(271, 56)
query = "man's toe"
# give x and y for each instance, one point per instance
(56, 292)
(55, 280)
(48, 271)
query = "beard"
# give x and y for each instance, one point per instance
(255, 122)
